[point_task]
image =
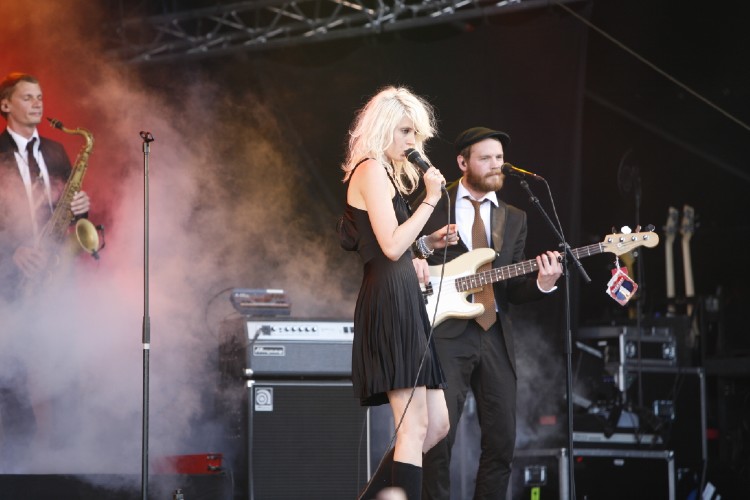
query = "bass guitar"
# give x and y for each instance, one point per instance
(670, 230)
(460, 277)
(687, 228)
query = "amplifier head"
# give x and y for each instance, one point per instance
(265, 302)
(299, 347)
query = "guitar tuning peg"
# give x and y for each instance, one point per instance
(613, 230)
(625, 230)
(638, 228)
(650, 228)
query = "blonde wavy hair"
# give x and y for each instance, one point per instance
(372, 133)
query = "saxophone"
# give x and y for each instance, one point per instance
(55, 232)
(56, 228)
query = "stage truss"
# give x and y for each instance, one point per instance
(266, 24)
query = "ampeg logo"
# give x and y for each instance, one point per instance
(269, 350)
(264, 399)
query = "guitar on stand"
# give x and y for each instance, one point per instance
(670, 231)
(460, 277)
(687, 228)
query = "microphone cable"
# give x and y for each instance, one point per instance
(424, 353)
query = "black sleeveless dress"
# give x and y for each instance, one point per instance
(391, 324)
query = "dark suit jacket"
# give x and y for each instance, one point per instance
(15, 221)
(55, 157)
(508, 227)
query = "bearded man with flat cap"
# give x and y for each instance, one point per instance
(478, 353)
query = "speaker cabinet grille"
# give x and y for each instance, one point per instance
(307, 439)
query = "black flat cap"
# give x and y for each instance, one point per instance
(476, 134)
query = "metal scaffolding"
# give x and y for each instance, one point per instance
(266, 24)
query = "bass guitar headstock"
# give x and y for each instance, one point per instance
(621, 243)
(687, 226)
(671, 227)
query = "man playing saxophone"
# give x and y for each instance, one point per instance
(33, 171)
(41, 167)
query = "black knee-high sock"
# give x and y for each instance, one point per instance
(381, 479)
(408, 477)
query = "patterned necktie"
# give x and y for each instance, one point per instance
(486, 296)
(38, 193)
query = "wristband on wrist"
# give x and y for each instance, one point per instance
(416, 251)
(423, 248)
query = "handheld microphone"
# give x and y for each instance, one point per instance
(509, 169)
(414, 157)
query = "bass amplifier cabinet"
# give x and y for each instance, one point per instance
(307, 439)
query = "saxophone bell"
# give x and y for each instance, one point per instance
(88, 237)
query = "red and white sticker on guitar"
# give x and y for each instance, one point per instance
(621, 287)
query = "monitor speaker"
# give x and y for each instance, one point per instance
(307, 439)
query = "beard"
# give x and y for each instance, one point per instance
(484, 183)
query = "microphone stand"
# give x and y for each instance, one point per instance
(642, 287)
(147, 139)
(568, 254)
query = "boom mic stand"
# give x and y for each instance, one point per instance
(147, 140)
(568, 254)
(629, 182)
(642, 287)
